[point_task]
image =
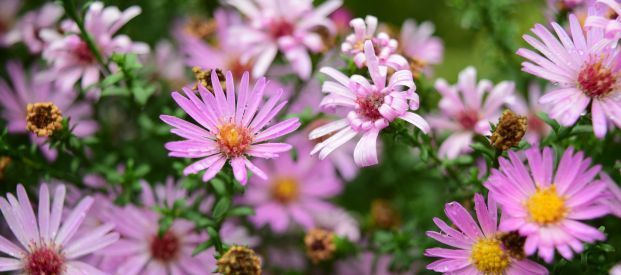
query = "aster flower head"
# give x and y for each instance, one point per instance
(480, 248)
(30, 24)
(47, 243)
(368, 263)
(69, 55)
(584, 70)
(292, 27)
(421, 49)
(467, 109)
(604, 21)
(231, 127)
(614, 198)
(372, 107)
(8, 13)
(547, 207)
(385, 46)
(616, 270)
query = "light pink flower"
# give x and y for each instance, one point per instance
(385, 46)
(603, 21)
(295, 192)
(418, 44)
(8, 14)
(466, 109)
(23, 90)
(28, 27)
(614, 200)
(367, 263)
(341, 18)
(372, 107)
(292, 27)
(169, 64)
(549, 211)
(47, 240)
(584, 69)
(616, 270)
(231, 127)
(340, 222)
(69, 55)
(537, 128)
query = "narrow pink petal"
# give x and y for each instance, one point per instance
(44, 212)
(278, 130)
(365, 153)
(214, 169)
(417, 121)
(73, 221)
(462, 219)
(239, 169)
(10, 264)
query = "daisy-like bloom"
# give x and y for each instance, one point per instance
(549, 211)
(291, 27)
(169, 64)
(367, 263)
(610, 24)
(70, 56)
(419, 46)
(339, 222)
(28, 27)
(372, 108)
(614, 200)
(385, 46)
(232, 127)
(585, 72)
(22, 91)
(480, 247)
(296, 190)
(46, 239)
(537, 128)
(467, 109)
(8, 12)
(616, 270)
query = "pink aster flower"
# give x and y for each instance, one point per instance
(22, 91)
(385, 46)
(584, 69)
(169, 64)
(367, 263)
(341, 18)
(292, 27)
(372, 108)
(421, 48)
(295, 191)
(549, 211)
(69, 55)
(8, 13)
(614, 200)
(231, 127)
(28, 27)
(340, 222)
(537, 128)
(466, 110)
(603, 21)
(47, 240)
(480, 247)
(616, 270)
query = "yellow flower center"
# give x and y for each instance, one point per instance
(285, 189)
(546, 206)
(233, 139)
(489, 257)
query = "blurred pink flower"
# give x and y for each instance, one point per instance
(339, 222)
(537, 128)
(288, 258)
(614, 200)
(467, 109)
(69, 55)
(372, 108)
(418, 44)
(616, 270)
(169, 64)
(547, 211)
(8, 14)
(341, 18)
(30, 24)
(611, 26)
(292, 27)
(23, 90)
(296, 190)
(366, 263)
(231, 127)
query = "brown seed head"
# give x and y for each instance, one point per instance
(383, 215)
(509, 131)
(43, 118)
(239, 260)
(319, 245)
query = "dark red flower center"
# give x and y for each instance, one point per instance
(44, 260)
(468, 119)
(165, 248)
(83, 53)
(369, 106)
(596, 80)
(280, 27)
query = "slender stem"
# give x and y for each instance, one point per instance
(71, 11)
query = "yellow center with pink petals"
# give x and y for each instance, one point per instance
(285, 189)
(233, 140)
(489, 257)
(546, 206)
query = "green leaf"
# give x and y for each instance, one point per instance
(113, 90)
(222, 206)
(219, 186)
(241, 211)
(202, 247)
(112, 79)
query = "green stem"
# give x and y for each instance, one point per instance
(69, 6)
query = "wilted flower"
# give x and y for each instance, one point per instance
(421, 49)
(319, 244)
(383, 215)
(537, 129)
(548, 211)
(372, 108)
(509, 131)
(239, 260)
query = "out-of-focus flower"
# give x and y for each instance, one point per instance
(419, 46)
(231, 127)
(537, 128)
(169, 65)
(547, 211)
(295, 191)
(584, 70)
(614, 201)
(577, 7)
(47, 243)
(8, 13)
(384, 215)
(480, 246)
(339, 222)
(292, 27)
(467, 109)
(4, 164)
(616, 270)
(604, 21)
(341, 18)
(289, 258)
(70, 56)
(384, 46)
(319, 244)
(372, 108)
(28, 27)
(239, 260)
(509, 131)
(22, 91)
(367, 263)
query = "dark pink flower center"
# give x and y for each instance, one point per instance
(468, 119)
(44, 260)
(165, 248)
(83, 53)
(369, 106)
(280, 27)
(596, 80)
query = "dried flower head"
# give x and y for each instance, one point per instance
(509, 131)
(384, 215)
(513, 244)
(319, 245)
(200, 27)
(4, 163)
(239, 260)
(43, 118)
(203, 78)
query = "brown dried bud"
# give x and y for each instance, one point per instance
(383, 215)
(319, 245)
(203, 78)
(513, 243)
(43, 118)
(200, 27)
(239, 260)
(4, 163)
(509, 131)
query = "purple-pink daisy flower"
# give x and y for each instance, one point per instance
(28, 27)
(419, 46)
(372, 107)
(480, 247)
(614, 198)
(47, 239)
(8, 14)
(467, 109)
(610, 25)
(584, 69)
(297, 189)
(231, 127)
(547, 207)
(292, 27)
